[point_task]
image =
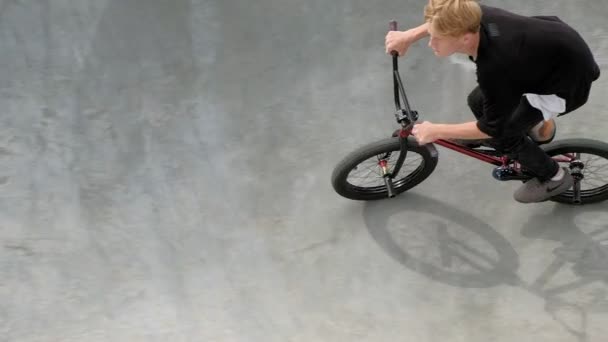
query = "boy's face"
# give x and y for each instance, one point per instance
(443, 45)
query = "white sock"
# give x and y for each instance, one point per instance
(559, 175)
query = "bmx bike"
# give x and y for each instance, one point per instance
(386, 168)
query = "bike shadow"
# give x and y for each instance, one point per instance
(468, 252)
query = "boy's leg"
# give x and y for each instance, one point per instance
(543, 132)
(551, 180)
(515, 142)
(475, 102)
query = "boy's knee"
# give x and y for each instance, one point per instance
(475, 102)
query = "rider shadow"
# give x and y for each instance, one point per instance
(583, 235)
(575, 284)
(442, 242)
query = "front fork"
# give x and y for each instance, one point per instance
(402, 133)
(388, 177)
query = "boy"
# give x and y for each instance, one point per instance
(529, 71)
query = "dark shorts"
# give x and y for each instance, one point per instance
(525, 116)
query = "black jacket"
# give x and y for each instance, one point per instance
(519, 54)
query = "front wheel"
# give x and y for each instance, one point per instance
(588, 162)
(359, 176)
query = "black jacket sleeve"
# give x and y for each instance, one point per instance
(547, 17)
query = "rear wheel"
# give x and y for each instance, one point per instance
(359, 176)
(588, 162)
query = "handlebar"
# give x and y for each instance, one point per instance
(405, 115)
(393, 25)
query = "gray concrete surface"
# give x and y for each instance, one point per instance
(165, 177)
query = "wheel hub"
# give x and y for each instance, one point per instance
(576, 169)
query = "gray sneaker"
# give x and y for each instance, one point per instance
(536, 191)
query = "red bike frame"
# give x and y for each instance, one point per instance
(498, 161)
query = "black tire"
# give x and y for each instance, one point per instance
(597, 148)
(405, 180)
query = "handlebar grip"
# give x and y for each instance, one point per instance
(392, 25)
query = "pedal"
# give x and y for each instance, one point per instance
(502, 174)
